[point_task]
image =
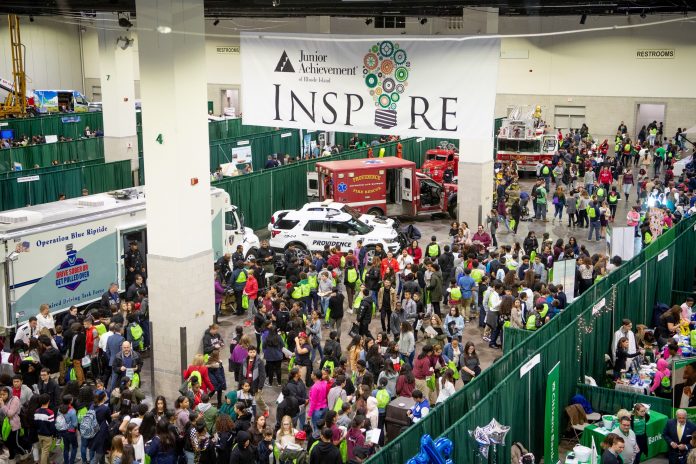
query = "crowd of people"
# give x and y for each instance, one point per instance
(26, 141)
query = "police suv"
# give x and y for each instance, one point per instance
(315, 225)
(333, 207)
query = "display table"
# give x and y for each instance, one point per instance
(655, 426)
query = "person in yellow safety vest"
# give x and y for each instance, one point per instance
(358, 297)
(531, 320)
(613, 200)
(237, 281)
(433, 249)
(595, 223)
(542, 309)
(313, 281)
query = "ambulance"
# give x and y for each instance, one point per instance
(387, 186)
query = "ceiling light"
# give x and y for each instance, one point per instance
(276, 3)
(124, 42)
(368, 21)
(164, 29)
(216, 22)
(583, 18)
(423, 20)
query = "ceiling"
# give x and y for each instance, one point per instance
(364, 8)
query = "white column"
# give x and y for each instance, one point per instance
(175, 144)
(318, 24)
(117, 90)
(476, 176)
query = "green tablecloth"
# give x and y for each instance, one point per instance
(655, 426)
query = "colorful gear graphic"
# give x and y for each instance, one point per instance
(400, 88)
(371, 80)
(401, 74)
(375, 48)
(395, 97)
(386, 48)
(384, 101)
(399, 56)
(388, 85)
(387, 67)
(371, 61)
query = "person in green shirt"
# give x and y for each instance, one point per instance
(659, 158)
(541, 203)
(639, 424)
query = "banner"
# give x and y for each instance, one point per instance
(684, 387)
(551, 422)
(408, 86)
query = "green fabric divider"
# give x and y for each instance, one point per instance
(45, 153)
(53, 125)
(609, 401)
(48, 169)
(96, 178)
(286, 186)
(576, 338)
(513, 337)
(228, 128)
(262, 145)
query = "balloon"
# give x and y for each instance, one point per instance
(434, 452)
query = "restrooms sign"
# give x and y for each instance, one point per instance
(416, 86)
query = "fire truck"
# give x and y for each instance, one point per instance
(384, 186)
(522, 138)
(439, 159)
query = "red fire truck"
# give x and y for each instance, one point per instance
(439, 159)
(522, 139)
(384, 186)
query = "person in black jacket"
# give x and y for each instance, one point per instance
(336, 307)
(446, 262)
(50, 387)
(50, 357)
(325, 452)
(75, 342)
(622, 356)
(365, 313)
(242, 453)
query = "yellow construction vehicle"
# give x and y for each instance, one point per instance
(16, 102)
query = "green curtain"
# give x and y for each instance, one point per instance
(609, 401)
(96, 178)
(43, 155)
(513, 337)
(49, 169)
(54, 125)
(281, 142)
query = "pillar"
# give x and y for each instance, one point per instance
(318, 24)
(476, 176)
(175, 143)
(118, 91)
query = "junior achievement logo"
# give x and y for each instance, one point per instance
(313, 62)
(385, 70)
(72, 272)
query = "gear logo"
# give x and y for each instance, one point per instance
(385, 72)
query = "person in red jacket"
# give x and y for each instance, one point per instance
(335, 258)
(198, 365)
(605, 177)
(251, 290)
(389, 262)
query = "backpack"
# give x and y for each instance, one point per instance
(136, 332)
(296, 454)
(61, 423)
(666, 384)
(89, 426)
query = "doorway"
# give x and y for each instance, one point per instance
(229, 102)
(649, 112)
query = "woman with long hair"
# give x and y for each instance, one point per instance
(355, 347)
(446, 384)
(224, 428)
(407, 343)
(198, 365)
(98, 444)
(136, 440)
(470, 363)
(406, 382)
(415, 251)
(422, 369)
(162, 447)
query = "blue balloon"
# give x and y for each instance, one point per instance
(434, 452)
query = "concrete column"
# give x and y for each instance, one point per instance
(118, 92)
(475, 180)
(175, 143)
(491, 20)
(318, 24)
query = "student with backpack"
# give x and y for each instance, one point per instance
(135, 333)
(44, 421)
(95, 427)
(66, 429)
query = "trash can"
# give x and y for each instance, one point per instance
(396, 417)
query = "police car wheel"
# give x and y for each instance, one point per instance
(300, 250)
(375, 211)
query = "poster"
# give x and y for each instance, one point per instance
(241, 155)
(551, 422)
(684, 387)
(564, 274)
(656, 216)
(410, 86)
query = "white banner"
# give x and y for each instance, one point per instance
(410, 86)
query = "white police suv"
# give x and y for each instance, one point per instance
(315, 225)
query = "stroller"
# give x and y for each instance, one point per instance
(524, 205)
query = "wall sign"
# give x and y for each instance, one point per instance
(233, 50)
(656, 53)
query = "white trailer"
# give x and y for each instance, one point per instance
(68, 252)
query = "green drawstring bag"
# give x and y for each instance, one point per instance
(6, 428)
(328, 315)
(453, 366)
(291, 363)
(430, 382)
(245, 301)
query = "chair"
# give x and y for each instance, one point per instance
(577, 420)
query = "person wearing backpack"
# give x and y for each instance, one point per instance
(44, 421)
(66, 429)
(10, 409)
(95, 427)
(135, 333)
(125, 362)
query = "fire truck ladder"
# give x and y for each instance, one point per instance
(16, 101)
